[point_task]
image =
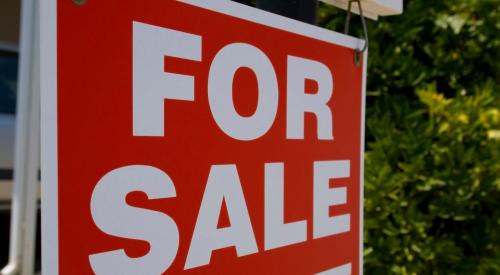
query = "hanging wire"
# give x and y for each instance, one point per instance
(357, 52)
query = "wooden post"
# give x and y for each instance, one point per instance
(302, 10)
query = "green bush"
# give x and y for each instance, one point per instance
(432, 163)
(432, 184)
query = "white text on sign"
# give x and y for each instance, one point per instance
(151, 86)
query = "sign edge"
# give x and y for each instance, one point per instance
(277, 21)
(48, 135)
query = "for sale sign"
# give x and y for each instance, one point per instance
(198, 137)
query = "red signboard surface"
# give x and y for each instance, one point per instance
(198, 137)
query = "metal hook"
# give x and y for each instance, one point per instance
(358, 52)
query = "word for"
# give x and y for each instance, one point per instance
(152, 85)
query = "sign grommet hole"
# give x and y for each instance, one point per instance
(79, 2)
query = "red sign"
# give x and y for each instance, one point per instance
(198, 137)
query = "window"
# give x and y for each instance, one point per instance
(8, 82)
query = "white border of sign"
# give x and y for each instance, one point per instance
(48, 134)
(49, 153)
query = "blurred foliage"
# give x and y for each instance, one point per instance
(454, 43)
(432, 163)
(432, 184)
